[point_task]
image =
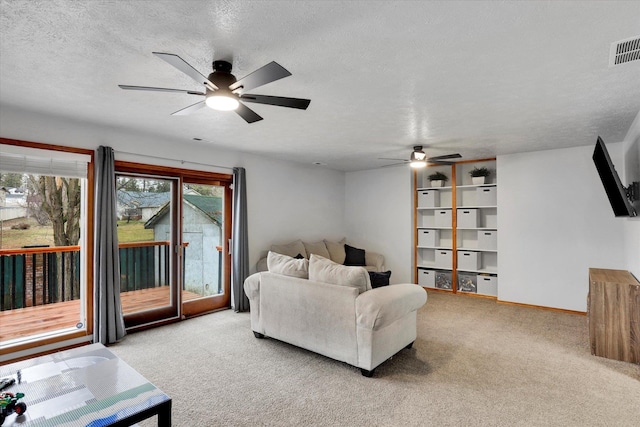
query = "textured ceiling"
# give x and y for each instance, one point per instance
(478, 78)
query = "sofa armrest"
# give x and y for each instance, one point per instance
(380, 307)
(252, 290)
(252, 286)
(373, 259)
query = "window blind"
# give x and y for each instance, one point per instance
(36, 161)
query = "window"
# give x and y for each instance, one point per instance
(44, 244)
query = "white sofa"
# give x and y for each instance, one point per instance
(349, 321)
(335, 251)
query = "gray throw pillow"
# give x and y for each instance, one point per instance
(336, 250)
(318, 248)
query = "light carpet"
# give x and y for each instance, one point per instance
(475, 363)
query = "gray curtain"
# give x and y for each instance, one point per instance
(108, 321)
(239, 242)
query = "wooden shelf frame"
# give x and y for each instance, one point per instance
(454, 224)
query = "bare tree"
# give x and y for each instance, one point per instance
(60, 199)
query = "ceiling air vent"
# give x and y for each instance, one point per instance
(624, 51)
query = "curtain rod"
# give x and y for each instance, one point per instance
(174, 160)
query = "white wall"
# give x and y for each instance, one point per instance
(555, 222)
(286, 201)
(378, 216)
(289, 201)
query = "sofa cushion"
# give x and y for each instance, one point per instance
(379, 278)
(326, 271)
(287, 266)
(318, 248)
(354, 256)
(336, 250)
(292, 249)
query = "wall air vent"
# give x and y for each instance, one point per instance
(624, 51)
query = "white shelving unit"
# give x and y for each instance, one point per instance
(456, 230)
(435, 235)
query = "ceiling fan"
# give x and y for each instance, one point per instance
(222, 91)
(419, 158)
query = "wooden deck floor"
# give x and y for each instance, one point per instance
(46, 318)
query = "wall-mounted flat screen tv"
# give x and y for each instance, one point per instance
(611, 181)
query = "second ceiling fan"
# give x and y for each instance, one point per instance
(419, 158)
(222, 91)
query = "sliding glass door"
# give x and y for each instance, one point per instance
(173, 232)
(205, 254)
(147, 223)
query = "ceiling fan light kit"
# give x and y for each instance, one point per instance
(418, 157)
(221, 100)
(223, 92)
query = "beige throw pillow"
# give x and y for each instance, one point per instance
(318, 248)
(326, 271)
(336, 250)
(292, 249)
(287, 266)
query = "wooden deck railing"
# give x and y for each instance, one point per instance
(143, 265)
(31, 277)
(39, 276)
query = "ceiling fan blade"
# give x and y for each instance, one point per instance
(446, 156)
(399, 160)
(247, 113)
(190, 109)
(267, 74)
(160, 89)
(393, 164)
(183, 66)
(279, 101)
(439, 162)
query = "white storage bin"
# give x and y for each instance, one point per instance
(430, 238)
(443, 259)
(467, 218)
(444, 280)
(488, 240)
(427, 278)
(487, 285)
(442, 218)
(428, 198)
(467, 282)
(468, 260)
(486, 196)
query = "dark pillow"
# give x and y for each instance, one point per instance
(379, 279)
(354, 256)
(299, 256)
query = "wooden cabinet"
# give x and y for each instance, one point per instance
(614, 315)
(456, 230)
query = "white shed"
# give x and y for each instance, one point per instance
(202, 220)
